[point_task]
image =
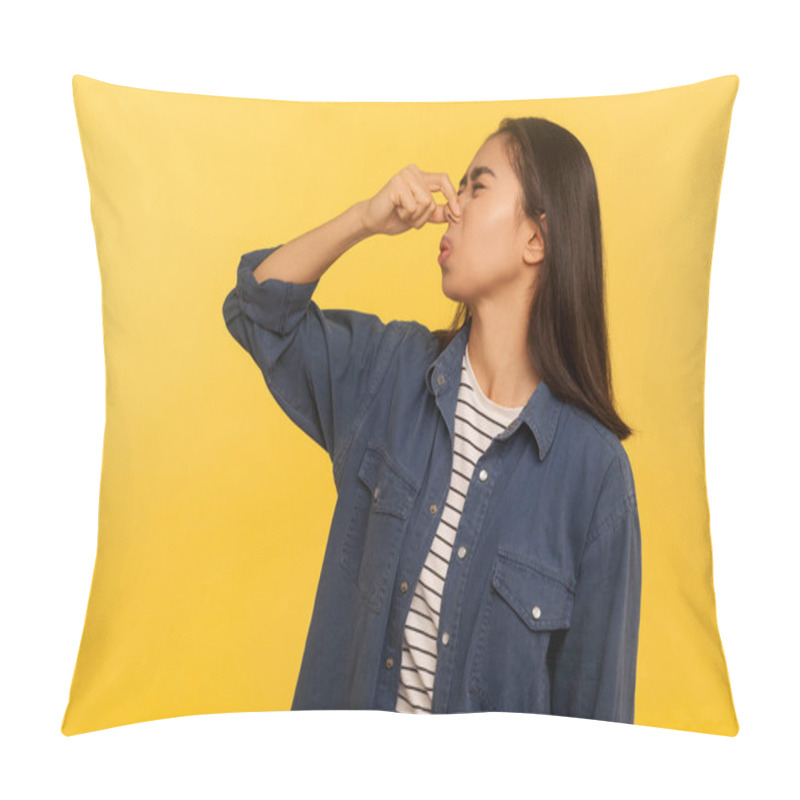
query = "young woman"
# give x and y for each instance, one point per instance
(485, 551)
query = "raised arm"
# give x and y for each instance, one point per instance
(306, 258)
(323, 367)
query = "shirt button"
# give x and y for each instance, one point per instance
(403, 586)
(483, 474)
(376, 492)
(440, 379)
(537, 612)
(389, 662)
(445, 638)
(462, 551)
(434, 508)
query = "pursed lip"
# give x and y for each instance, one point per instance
(445, 246)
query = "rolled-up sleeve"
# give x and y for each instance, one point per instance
(594, 668)
(321, 366)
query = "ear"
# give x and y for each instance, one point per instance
(534, 249)
(543, 221)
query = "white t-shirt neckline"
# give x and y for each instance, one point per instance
(488, 404)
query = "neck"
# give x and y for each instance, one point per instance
(498, 353)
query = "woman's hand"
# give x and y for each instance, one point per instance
(407, 201)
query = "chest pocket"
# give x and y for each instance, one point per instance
(385, 496)
(525, 606)
(542, 601)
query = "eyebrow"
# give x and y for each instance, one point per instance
(475, 174)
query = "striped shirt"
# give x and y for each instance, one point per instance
(478, 420)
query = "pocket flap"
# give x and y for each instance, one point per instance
(392, 492)
(542, 601)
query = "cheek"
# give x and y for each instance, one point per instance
(488, 224)
(486, 241)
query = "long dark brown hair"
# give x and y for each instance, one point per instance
(567, 333)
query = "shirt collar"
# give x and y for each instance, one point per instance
(540, 413)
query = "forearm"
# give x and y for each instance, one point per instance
(307, 257)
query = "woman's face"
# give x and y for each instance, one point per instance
(490, 246)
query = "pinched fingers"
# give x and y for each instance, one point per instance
(422, 185)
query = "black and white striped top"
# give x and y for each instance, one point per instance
(478, 420)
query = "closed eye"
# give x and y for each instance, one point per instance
(474, 187)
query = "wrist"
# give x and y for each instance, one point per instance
(359, 211)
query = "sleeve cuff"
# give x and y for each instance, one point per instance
(275, 304)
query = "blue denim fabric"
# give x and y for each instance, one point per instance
(543, 611)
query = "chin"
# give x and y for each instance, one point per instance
(456, 286)
(449, 291)
(450, 295)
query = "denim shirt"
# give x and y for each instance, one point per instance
(541, 615)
